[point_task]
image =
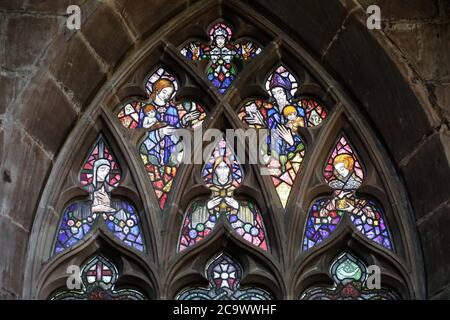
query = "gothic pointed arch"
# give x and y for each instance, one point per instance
(99, 175)
(98, 282)
(224, 274)
(65, 276)
(155, 90)
(222, 174)
(351, 282)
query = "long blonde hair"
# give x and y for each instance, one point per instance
(159, 85)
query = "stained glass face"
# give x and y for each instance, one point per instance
(99, 175)
(161, 151)
(98, 279)
(343, 170)
(222, 175)
(344, 173)
(285, 149)
(220, 52)
(224, 275)
(350, 276)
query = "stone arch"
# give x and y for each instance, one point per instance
(77, 99)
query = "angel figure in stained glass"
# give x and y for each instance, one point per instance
(345, 175)
(220, 53)
(222, 175)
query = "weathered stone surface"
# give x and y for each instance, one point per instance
(444, 8)
(147, 16)
(78, 71)
(28, 37)
(427, 175)
(59, 6)
(442, 295)
(398, 9)
(313, 23)
(3, 22)
(12, 4)
(24, 168)
(12, 256)
(113, 41)
(10, 87)
(359, 62)
(47, 6)
(46, 113)
(435, 240)
(442, 92)
(428, 51)
(42, 116)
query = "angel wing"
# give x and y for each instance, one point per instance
(248, 223)
(198, 223)
(195, 51)
(246, 50)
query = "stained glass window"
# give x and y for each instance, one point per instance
(350, 277)
(99, 175)
(220, 52)
(222, 175)
(283, 115)
(344, 173)
(98, 280)
(224, 275)
(161, 151)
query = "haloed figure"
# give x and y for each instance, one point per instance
(279, 94)
(161, 144)
(220, 38)
(101, 200)
(162, 93)
(220, 52)
(222, 175)
(222, 197)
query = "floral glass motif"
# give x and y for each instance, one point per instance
(224, 275)
(99, 175)
(220, 53)
(98, 279)
(344, 173)
(350, 283)
(283, 115)
(222, 175)
(161, 151)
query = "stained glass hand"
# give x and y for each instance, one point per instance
(254, 118)
(232, 203)
(286, 134)
(214, 202)
(191, 116)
